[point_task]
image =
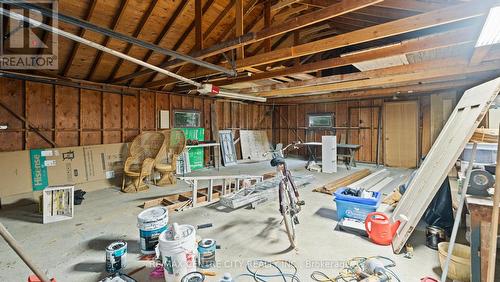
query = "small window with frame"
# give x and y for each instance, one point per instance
(320, 120)
(187, 118)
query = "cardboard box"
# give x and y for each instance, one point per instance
(23, 172)
(104, 161)
(58, 166)
(15, 173)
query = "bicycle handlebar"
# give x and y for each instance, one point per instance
(294, 144)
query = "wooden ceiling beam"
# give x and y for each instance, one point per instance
(479, 54)
(198, 24)
(240, 51)
(182, 5)
(114, 25)
(435, 18)
(399, 91)
(451, 38)
(267, 24)
(76, 45)
(317, 16)
(140, 27)
(385, 13)
(461, 68)
(405, 5)
(334, 10)
(418, 22)
(412, 5)
(375, 73)
(219, 18)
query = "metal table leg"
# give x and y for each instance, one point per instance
(352, 161)
(195, 193)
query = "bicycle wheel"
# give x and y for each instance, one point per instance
(288, 214)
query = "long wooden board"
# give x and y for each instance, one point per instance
(345, 181)
(254, 143)
(457, 131)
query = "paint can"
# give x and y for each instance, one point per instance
(206, 253)
(116, 256)
(193, 277)
(151, 222)
(434, 235)
(178, 250)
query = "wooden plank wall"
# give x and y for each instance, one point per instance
(75, 117)
(363, 122)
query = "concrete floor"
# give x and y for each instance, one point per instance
(73, 250)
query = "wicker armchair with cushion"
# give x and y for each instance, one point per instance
(141, 159)
(166, 160)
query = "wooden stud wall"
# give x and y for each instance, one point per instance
(363, 125)
(75, 117)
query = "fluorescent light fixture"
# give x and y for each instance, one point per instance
(490, 34)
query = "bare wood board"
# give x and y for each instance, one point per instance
(254, 143)
(450, 143)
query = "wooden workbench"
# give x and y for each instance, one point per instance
(480, 210)
(351, 149)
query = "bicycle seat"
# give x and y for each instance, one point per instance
(277, 161)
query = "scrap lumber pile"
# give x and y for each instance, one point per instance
(331, 187)
(179, 201)
(485, 135)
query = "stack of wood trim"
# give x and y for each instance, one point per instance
(331, 187)
(485, 135)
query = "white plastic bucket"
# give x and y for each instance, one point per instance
(178, 255)
(151, 222)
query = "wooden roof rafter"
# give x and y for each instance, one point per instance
(182, 5)
(456, 68)
(76, 45)
(451, 38)
(183, 38)
(399, 91)
(116, 21)
(225, 34)
(435, 18)
(137, 32)
(308, 19)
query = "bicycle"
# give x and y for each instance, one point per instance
(288, 195)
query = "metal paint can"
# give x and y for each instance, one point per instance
(434, 235)
(206, 253)
(116, 256)
(193, 277)
(151, 222)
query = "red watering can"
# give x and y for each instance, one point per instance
(379, 228)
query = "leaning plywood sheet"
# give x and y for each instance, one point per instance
(254, 143)
(448, 146)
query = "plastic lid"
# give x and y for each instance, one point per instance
(152, 214)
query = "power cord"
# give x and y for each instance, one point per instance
(354, 267)
(260, 264)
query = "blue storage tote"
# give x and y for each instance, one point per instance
(355, 207)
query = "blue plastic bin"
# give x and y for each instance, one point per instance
(355, 207)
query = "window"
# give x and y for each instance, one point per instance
(186, 118)
(320, 120)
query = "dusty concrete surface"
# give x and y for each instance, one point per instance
(73, 250)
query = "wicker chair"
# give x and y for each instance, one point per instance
(166, 160)
(140, 162)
